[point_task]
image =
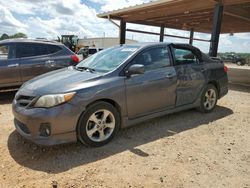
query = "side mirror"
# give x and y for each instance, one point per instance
(135, 69)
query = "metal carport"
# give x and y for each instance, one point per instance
(206, 16)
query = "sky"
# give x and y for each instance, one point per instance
(52, 18)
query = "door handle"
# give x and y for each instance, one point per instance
(50, 63)
(170, 75)
(13, 65)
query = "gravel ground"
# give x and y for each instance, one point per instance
(186, 149)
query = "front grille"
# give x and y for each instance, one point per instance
(22, 126)
(24, 101)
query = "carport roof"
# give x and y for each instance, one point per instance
(187, 15)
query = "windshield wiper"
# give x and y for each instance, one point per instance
(85, 68)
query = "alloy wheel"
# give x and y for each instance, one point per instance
(210, 99)
(100, 125)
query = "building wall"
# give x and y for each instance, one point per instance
(102, 42)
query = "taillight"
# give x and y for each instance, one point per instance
(225, 68)
(75, 59)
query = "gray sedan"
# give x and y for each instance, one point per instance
(116, 88)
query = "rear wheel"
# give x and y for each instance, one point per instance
(98, 125)
(209, 99)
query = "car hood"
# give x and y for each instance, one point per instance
(60, 81)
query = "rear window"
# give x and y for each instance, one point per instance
(31, 49)
(53, 49)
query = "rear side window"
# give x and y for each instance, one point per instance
(53, 49)
(184, 56)
(153, 58)
(4, 51)
(7, 52)
(31, 49)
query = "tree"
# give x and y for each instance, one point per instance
(4, 36)
(19, 35)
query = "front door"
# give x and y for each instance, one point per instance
(155, 89)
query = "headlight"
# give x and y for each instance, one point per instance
(47, 101)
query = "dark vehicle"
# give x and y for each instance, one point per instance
(23, 59)
(233, 58)
(85, 52)
(116, 88)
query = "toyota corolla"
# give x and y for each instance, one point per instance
(116, 88)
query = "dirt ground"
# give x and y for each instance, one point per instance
(186, 149)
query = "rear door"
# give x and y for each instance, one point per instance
(34, 60)
(60, 56)
(191, 75)
(155, 89)
(9, 66)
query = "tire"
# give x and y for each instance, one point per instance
(98, 124)
(208, 104)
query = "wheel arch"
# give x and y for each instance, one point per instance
(110, 101)
(216, 85)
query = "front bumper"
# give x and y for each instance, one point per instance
(61, 120)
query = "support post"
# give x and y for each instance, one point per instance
(191, 38)
(122, 32)
(162, 33)
(217, 20)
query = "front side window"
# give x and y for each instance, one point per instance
(153, 58)
(109, 59)
(184, 56)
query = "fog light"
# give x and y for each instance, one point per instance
(45, 129)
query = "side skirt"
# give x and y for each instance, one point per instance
(126, 122)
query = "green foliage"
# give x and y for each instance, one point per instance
(4, 36)
(17, 35)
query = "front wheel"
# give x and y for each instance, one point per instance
(98, 124)
(209, 98)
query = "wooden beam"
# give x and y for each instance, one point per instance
(238, 11)
(184, 16)
(179, 8)
(230, 2)
(235, 2)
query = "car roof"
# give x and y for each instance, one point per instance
(148, 44)
(175, 45)
(22, 40)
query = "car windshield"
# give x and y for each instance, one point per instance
(107, 60)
